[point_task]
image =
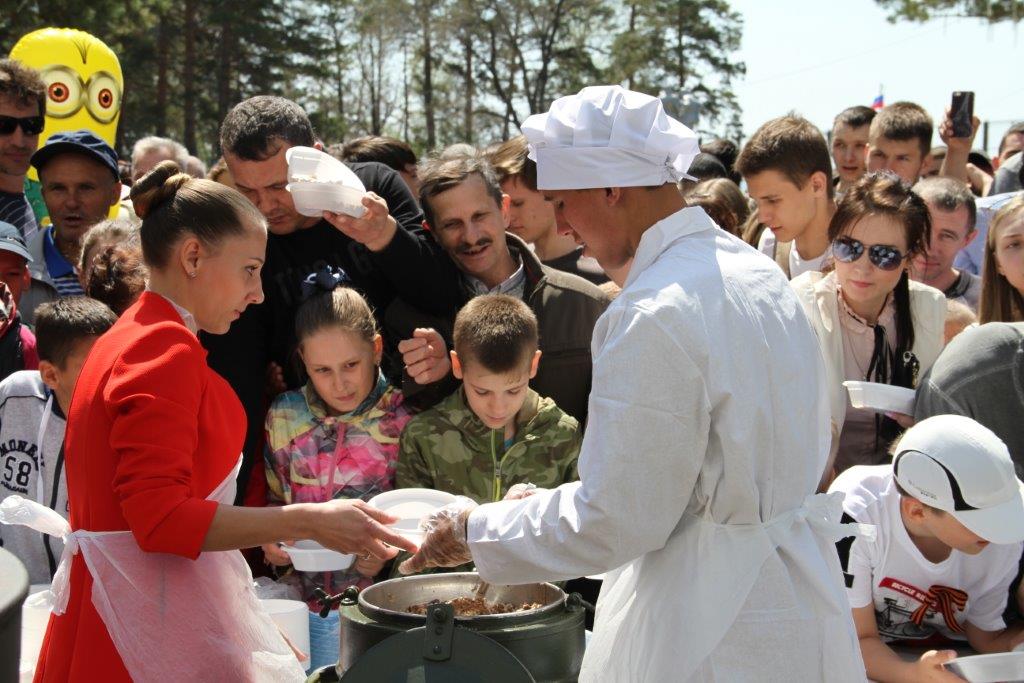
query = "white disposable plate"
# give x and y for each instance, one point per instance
(319, 182)
(881, 398)
(310, 556)
(410, 506)
(1003, 667)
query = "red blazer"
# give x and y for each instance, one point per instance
(152, 430)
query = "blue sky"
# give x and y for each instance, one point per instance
(819, 57)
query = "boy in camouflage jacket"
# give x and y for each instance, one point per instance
(494, 431)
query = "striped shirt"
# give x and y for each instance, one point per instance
(63, 274)
(15, 209)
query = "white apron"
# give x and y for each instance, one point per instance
(717, 567)
(170, 618)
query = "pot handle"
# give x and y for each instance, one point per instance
(328, 602)
(575, 601)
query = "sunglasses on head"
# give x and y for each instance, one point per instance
(30, 125)
(848, 250)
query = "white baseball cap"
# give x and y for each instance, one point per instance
(954, 464)
(607, 136)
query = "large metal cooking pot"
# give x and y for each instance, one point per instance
(548, 641)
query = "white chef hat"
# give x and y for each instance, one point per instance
(607, 136)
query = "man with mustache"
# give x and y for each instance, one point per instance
(468, 215)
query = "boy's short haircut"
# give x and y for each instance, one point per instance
(509, 160)
(854, 117)
(948, 195)
(904, 121)
(391, 152)
(22, 84)
(496, 331)
(254, 129)
(62, 323)
(440, 175)
(790, 145)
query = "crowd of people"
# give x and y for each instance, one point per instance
(447, 339)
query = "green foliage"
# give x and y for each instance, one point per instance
(923, 10)
(433, 72)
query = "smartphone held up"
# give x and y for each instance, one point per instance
(961, 113)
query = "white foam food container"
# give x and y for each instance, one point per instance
(310, 556)
(410, 506)
(1003, 667)
(318, 182)
(882, 398)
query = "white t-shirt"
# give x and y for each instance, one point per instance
(797, 265)
(914, 598)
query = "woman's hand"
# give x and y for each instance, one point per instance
(444, 538)
(355, 528)
(276, 555)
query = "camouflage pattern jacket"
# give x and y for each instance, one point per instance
(449, 449)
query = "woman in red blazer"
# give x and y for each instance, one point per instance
(153, 439)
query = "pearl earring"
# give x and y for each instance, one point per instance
(192, 274)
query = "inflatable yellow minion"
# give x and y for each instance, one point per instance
(84, 87)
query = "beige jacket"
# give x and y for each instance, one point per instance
(817, 295)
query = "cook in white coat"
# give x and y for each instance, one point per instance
(708, 433)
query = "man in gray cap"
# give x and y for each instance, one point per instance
(700, 460)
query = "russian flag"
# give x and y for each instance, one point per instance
(879, 102)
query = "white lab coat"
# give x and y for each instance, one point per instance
(708, 429)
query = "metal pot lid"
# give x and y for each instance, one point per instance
(439, 651)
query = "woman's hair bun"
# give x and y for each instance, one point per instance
(156, 187)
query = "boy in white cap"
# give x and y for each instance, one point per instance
(699, 462)
(949, 519)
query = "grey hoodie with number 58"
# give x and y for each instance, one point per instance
(23, 403)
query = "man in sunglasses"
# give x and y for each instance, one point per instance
(22, 106)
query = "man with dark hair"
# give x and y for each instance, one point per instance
(384, 253)
(899, 140)
(850, 145)
(953, 213)
(469, 215)
(789, 175)
(22, 110)
(726, 152)
(393, 153)
(532, 218)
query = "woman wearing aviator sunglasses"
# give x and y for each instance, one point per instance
(872, 321)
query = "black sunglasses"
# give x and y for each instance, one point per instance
(30, 125)
(848, 250)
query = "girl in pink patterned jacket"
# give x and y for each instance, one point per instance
(336, 437)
